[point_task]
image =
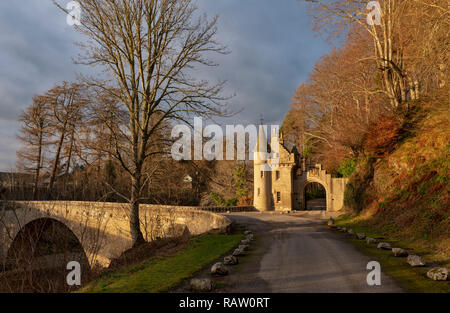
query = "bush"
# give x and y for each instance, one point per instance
(383, 136)
(351, 198)
(221, 201)
(356, 192)
(245, 201)
(231, 202)
(240, 182)
(347, 167)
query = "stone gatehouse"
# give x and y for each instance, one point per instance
(283, 188)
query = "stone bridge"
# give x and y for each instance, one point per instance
(94, 232)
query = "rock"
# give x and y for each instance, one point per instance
(201, 285)
(237, 252)
(384, 246)
(244, 247)
(351, 232)
(219, 269)
(370, 240)
(415, 260)
(438, 273)
(245, 241)
(361, 236)
(230, 260)
(249, 237)
(399, 252)
(248, 232)
(331, 222)
(343, 229)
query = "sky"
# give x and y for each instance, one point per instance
(273, 48)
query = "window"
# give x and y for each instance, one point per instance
(262, 174)
(278, 197)
(259, 192)
(277, 175)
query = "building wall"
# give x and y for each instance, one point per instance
(337, 193)
(262, 199)
(282, 188)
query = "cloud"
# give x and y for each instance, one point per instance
(273, 49)
(36, 52)
(9, 145)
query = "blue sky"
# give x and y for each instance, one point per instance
(272, 44)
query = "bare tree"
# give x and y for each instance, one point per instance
(66, 102)
(388, 53)
(34, 133)
(410, 44)
(149, 48)
(333, 109)
(377, 68)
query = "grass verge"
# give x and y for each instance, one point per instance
(411, 279)
(160, 274)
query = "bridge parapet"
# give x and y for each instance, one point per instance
(215, 209)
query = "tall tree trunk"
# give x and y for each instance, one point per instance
(55, 166)
(38, 167)
(69, 156)
(135, 226)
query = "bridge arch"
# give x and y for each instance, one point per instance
(73, 222)
(45, 242)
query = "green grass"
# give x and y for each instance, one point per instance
(411, 279)
(160, 274)
(387, 232)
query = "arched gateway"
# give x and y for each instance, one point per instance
(283, 188)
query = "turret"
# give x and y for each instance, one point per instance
(262, 196)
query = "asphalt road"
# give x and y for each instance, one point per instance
(297, 254)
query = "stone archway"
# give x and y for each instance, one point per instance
(334, 188)
(302, 193)
(314, 196)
